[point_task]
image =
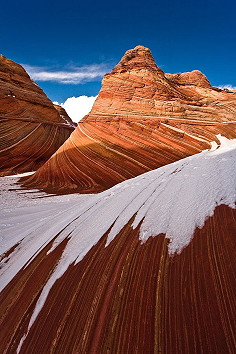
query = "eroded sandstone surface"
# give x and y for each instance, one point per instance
(31, 128)
(147, 266)
(141, 120)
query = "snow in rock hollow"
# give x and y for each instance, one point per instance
(173, 200)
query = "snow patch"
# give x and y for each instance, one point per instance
(22, 174)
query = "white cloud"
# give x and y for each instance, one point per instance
(72, 75)
(78, 107)
(228, 87)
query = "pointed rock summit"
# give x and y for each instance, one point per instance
(137, 58)
(142, 119)
(31, 128)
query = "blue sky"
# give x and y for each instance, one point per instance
(86, 39)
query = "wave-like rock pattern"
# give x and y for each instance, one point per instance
(141, 120)
(130, 297)
(125, 296)
(31, 128)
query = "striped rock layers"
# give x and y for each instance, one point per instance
(31, 128)
(147, 266)
(142, 119)
(130, 298)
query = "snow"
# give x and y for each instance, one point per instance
(173, 200)
(22, 174)
(67, 122)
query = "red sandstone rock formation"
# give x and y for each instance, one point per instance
(31, 129)
(126, 296)
(142, 119)
(131, 298)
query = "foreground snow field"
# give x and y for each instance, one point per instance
(173, 200)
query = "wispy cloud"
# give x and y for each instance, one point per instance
(228, 87)
(78, 107)
(69, 75)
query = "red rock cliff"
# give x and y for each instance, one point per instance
(141, 120)
(31, 129)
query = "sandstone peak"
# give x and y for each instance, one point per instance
(138, 51)
(139, 57)
(142, 119)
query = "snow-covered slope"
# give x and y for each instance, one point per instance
(173, 200)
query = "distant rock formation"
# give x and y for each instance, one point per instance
(141, 120)
(64, 115)
(31, 129)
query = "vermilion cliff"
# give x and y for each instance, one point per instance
(141, 120)
(31, 128)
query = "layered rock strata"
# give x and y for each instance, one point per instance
(130, 297)
(141, 120)
(31, 128)
(145, 267)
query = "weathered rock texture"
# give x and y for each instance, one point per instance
(31, 129)
(97, 274)
(130, 298)
(64, 115)
(141, 120)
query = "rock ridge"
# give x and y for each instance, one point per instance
(142, 119)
